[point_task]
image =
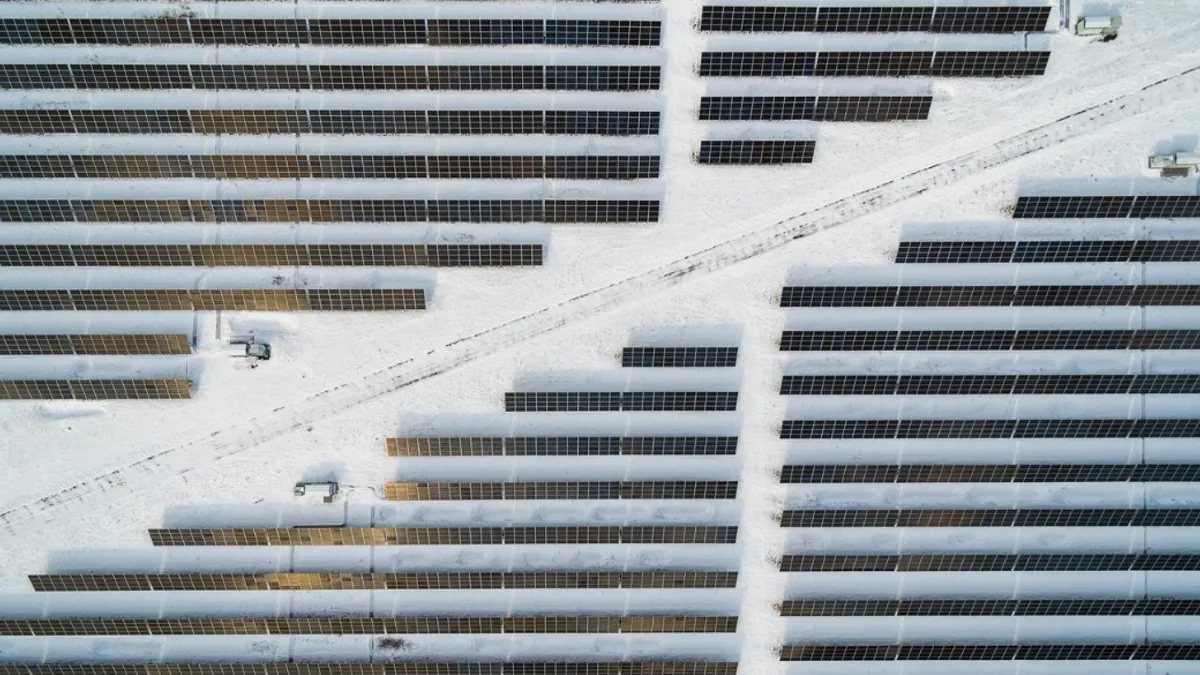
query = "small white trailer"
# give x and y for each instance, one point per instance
(1103, 26)
(1179, 164)
(324, 491)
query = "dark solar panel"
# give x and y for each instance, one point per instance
(815, 108)
(327, 77)
(1039, 428)
(993, 607)
(562, 490)
(1048, 251)
(1069, 652)
(613, 401)
(835, 19)
(480, 446)
(446, 536)
(989, 64)
(371, 122)
(989, 473)
(873, 64)
(987, 340)
(991, 385)
(992, 518)
(95, 390)
(192, 300)
(268, 255)
(311, 581)
(381, 668)
(756, 152)
(990, 296)
(94, 345)
(328, 210)
(679, 357)
(1156, 206)
(992, 562)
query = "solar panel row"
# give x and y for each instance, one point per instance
(762, 19)
(627, 401)
(873, 64)
(296, 581)
(815, 108)
(993, 607)
(679, 357)
(369, 626)
(992, 518)
(266, 255)
(378, 668)
(524, 446)
(1121, 251)
(94, 390)
(988, 385)
(94, 345)
(328, 210)
(990, 473)
(370, 122)
(446, 536)
(986, 340)
(24, 76)
(990, 296)
(196, 300)
(684, 489)
(1149, 206)
(1029, 428)
(1069, 652)
(431, 32)
(756, 152)
(992, 562)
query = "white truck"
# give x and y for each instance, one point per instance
(324, 491)
(1179, 164)
(246, 347)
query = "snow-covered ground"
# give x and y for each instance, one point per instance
(81, 482)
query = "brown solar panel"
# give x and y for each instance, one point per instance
(451, 536)
(97, 345)
(268, 255)
(95, 390)
(187, 300)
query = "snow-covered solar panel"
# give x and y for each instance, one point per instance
(628, 401)
(1151, 517)
(301, 581)
(524, 446)
(686, 489)
(986, 340)
(268, 255)
(1030, 428)
(989, 473)
(446, 536)
(381, 668)
(994, 562)
(866, 19)
(992, 652)
(95, 344)
(195, 300)
(990, 385)
(994, 607)
(363, 122)
(990, 296)
(95, 390)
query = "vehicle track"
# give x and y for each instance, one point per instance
(181, 459)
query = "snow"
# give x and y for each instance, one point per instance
(81, 482)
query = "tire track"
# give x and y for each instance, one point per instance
(181, 459)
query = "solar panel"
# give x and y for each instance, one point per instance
(987, 340)
(873, 64)
(522, 446)
(629, 401)
(1038, 428)
(993, 607)
(756, 152)
(194, 300)
(94, 345)
(301, 581)
(991, 562)
(378, 668)
(268, 255)
(446, 536)
(734, 18)
(95, 390)
(990, 473)
(989, 385)
(1155, 206)
(328, 210)
(990, 296)
(989, 64)
(992, 518)
(1048, 251)
(679, 357)
(23, 76)
(442, 625)
(684, 489)
(582, 167)
(371, 122)
(1069, 652)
